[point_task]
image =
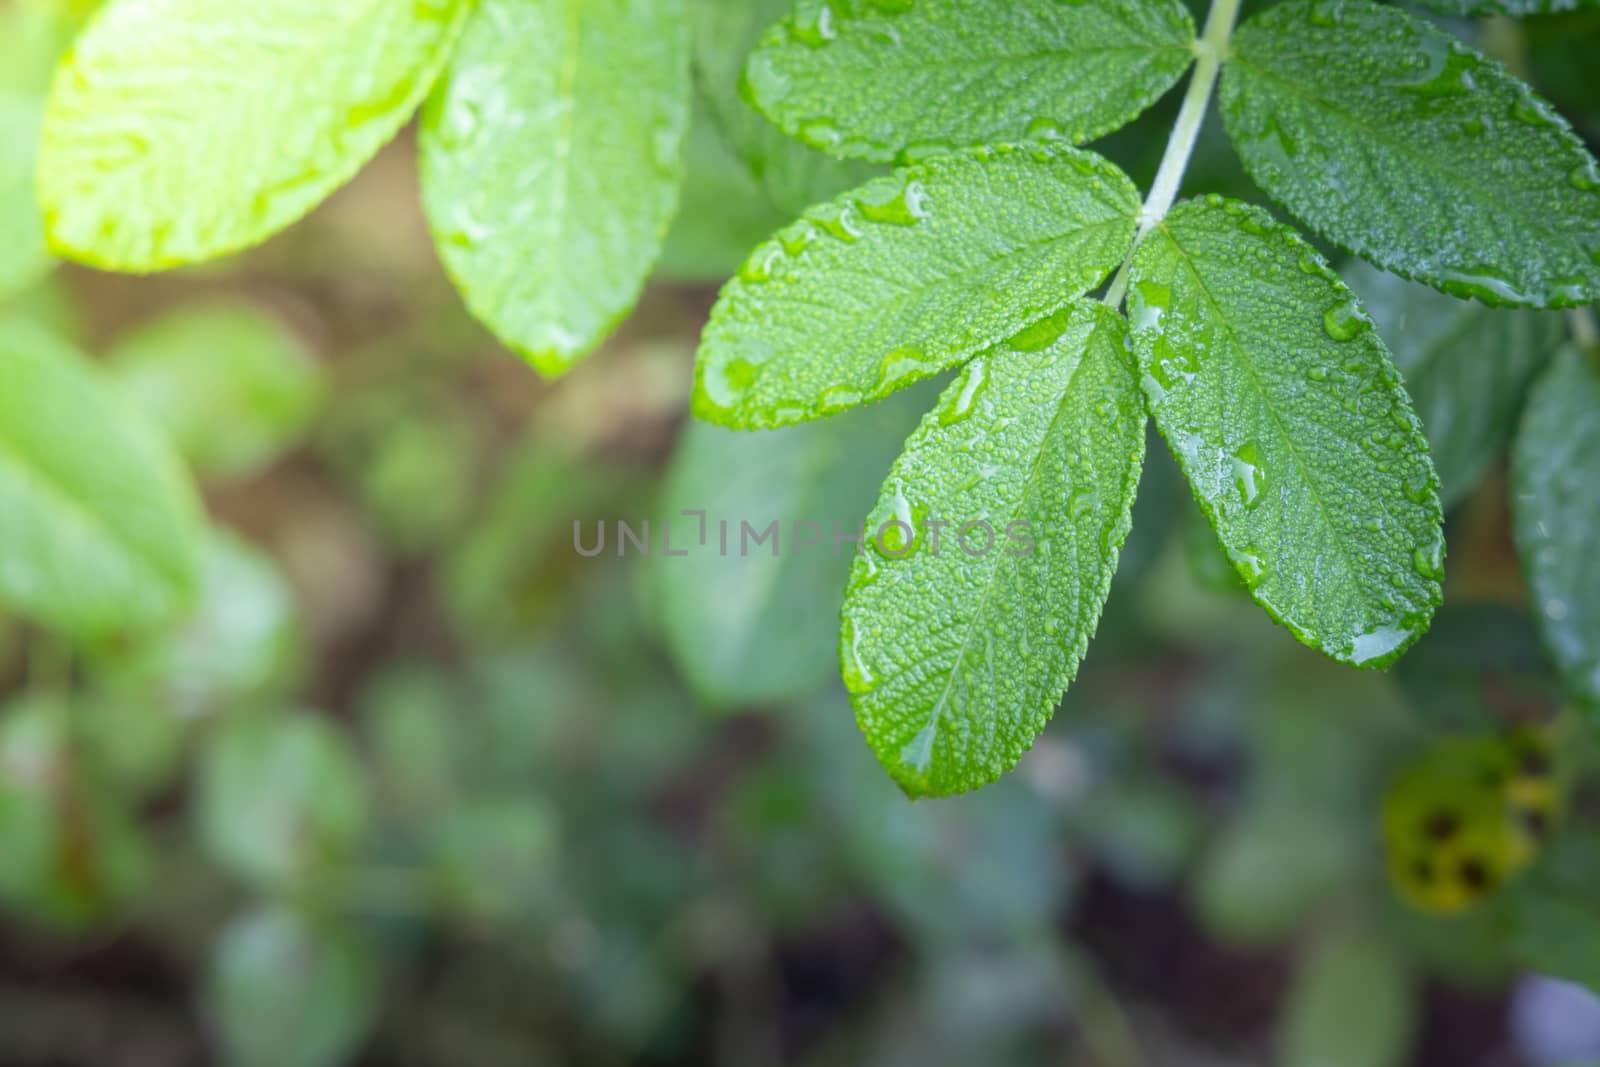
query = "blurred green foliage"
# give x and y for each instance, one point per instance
(403, 778)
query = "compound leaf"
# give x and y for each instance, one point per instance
(1466, 366)
(907, 275)
(181, 130)
(990, 555)
(1390, 137)
(551, 156)
(1287, 416)
(101, 527)
(869, 79)
(1556, 464)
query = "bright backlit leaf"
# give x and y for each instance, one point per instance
(865, 79)
(907, 275)
(1392, 138)
(1556, 469)
(551, 160)
(100, 525)
(990, 555)
(180, 130)
(1288, 417)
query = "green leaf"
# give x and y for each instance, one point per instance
(181, 130)
(908, 275)
(280, 797)
(759, 623)
(1466, 366)
(1392, 138)
(867, 79)
(1518, 8)
(1353, 1004)
(1285, 412)
(1555, 924)
(793, 175)
(288, 991)
(551, 160)
(956, 648)
(1556, 466)
(232, 386)
(99, 525)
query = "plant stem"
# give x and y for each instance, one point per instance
(1211, 50)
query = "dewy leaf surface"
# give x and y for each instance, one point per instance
(1287, 416)
(181, 130)
(551, 158)
(907, 275)
(1467, 367)
(878, 79)
(1393, 139)
(793, 175)
(955, 648)
(100, 526)
(1506, 7)
(1556, 507)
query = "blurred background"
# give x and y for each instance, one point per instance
(419, 783)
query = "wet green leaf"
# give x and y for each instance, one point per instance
(1506, 7)
(865, 79)
(232, 386)
(908, 275)
(181, 130)
(1353, 1004)
(991, 553)
(1467, 368)
(1287, 416)
(759, 622)
(551, 160)
(287, 991)
(100, 525)
(1555, 470)
(1395, 140)
(280, 797)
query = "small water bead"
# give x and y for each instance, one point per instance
(814, 26)
(1042, 334)
(1429, 560)
(899, 205)
(1250, 565)
(1346, 321)
(858, 677)
(964, 399)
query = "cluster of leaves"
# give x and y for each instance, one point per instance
(550, 187)
(1258, 363)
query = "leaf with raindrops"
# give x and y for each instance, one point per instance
(1556, 510)
(991, 552)
(1392, 138)
(1507, 7)
(551, 156)
(181, 130)
(890, 79)
(1288, 417)
(907, 275)
(1466, 366)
